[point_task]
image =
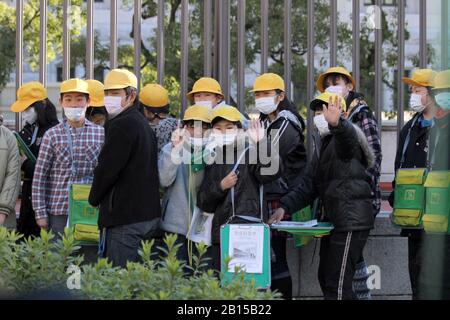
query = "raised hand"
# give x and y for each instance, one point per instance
(256, 131)
(332, 114)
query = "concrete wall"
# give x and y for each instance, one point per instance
(385, 249)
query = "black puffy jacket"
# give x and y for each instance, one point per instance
(339, 179)
(211, 198)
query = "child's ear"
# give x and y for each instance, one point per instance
(350, 86)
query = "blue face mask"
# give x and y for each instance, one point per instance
(443, 100)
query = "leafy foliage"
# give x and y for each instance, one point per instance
(31, 265)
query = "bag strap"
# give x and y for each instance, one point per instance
(261, 193)
(71, 149)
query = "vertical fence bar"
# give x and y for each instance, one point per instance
(423, 34)
(400, 65)
(264, 35)
(137, 40)
(241, 55)
(113, 35)
(160, 45)
(19, 56)
(184, 53)
(310, 73)
(207, 41)
(43, 42)
(333, 33)
(287, 47)
(90, 40)
(356, 62)
(223, 11)
(66, 41)
(444, 34)
(378, 63)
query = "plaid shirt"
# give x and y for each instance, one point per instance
(54, 173)
(369, 125)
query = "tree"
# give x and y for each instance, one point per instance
(31, 28)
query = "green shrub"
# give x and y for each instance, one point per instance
(41, 264)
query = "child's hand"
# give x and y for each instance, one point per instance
(277, 216)
(256, 131)
(229, 181)
(332, 114)
(178, 136)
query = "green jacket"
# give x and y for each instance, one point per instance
(9, 174)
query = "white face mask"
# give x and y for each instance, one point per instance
(221, 140)
(197, 142)
(113, 105)
(74, 114)
(321, 125)
(415, 103)
(443, 100)
(29, 116)
(206, 103)
(266, 105)
(336, 90)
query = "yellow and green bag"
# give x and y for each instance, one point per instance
(82, 216)
(409, 198)
(437, 203)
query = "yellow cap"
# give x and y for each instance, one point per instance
(421, 78)
(209, 85)
(155, 96)
(27, 95)
(120, 79)
(74, 85)
(197, 113)
(339, 70)
(325, 98)
(228, 113)
(267, 82)
(96, 93)
(442, 80)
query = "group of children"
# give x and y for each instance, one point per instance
(344, 174)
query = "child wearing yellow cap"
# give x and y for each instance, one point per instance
(181, 171)
(233, 175)
(338, 178)
(39, 115)
(155, 105)
(68, 155)
(412, 152)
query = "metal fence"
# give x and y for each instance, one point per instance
(217, 49)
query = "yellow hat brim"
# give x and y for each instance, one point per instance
(190, 95)
(116, 87)
(22, 105)
(411, 82)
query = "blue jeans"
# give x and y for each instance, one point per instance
(123, 242)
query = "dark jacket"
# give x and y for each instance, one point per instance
(126, 182)
(292, 152)
(440, 147)
(27, 221)
(340, 180)
(362, 116)
(416, 151)
(211, 198)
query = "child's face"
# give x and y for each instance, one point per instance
(338, 83)
(197, 129)
(203, 98)
(224, 127)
